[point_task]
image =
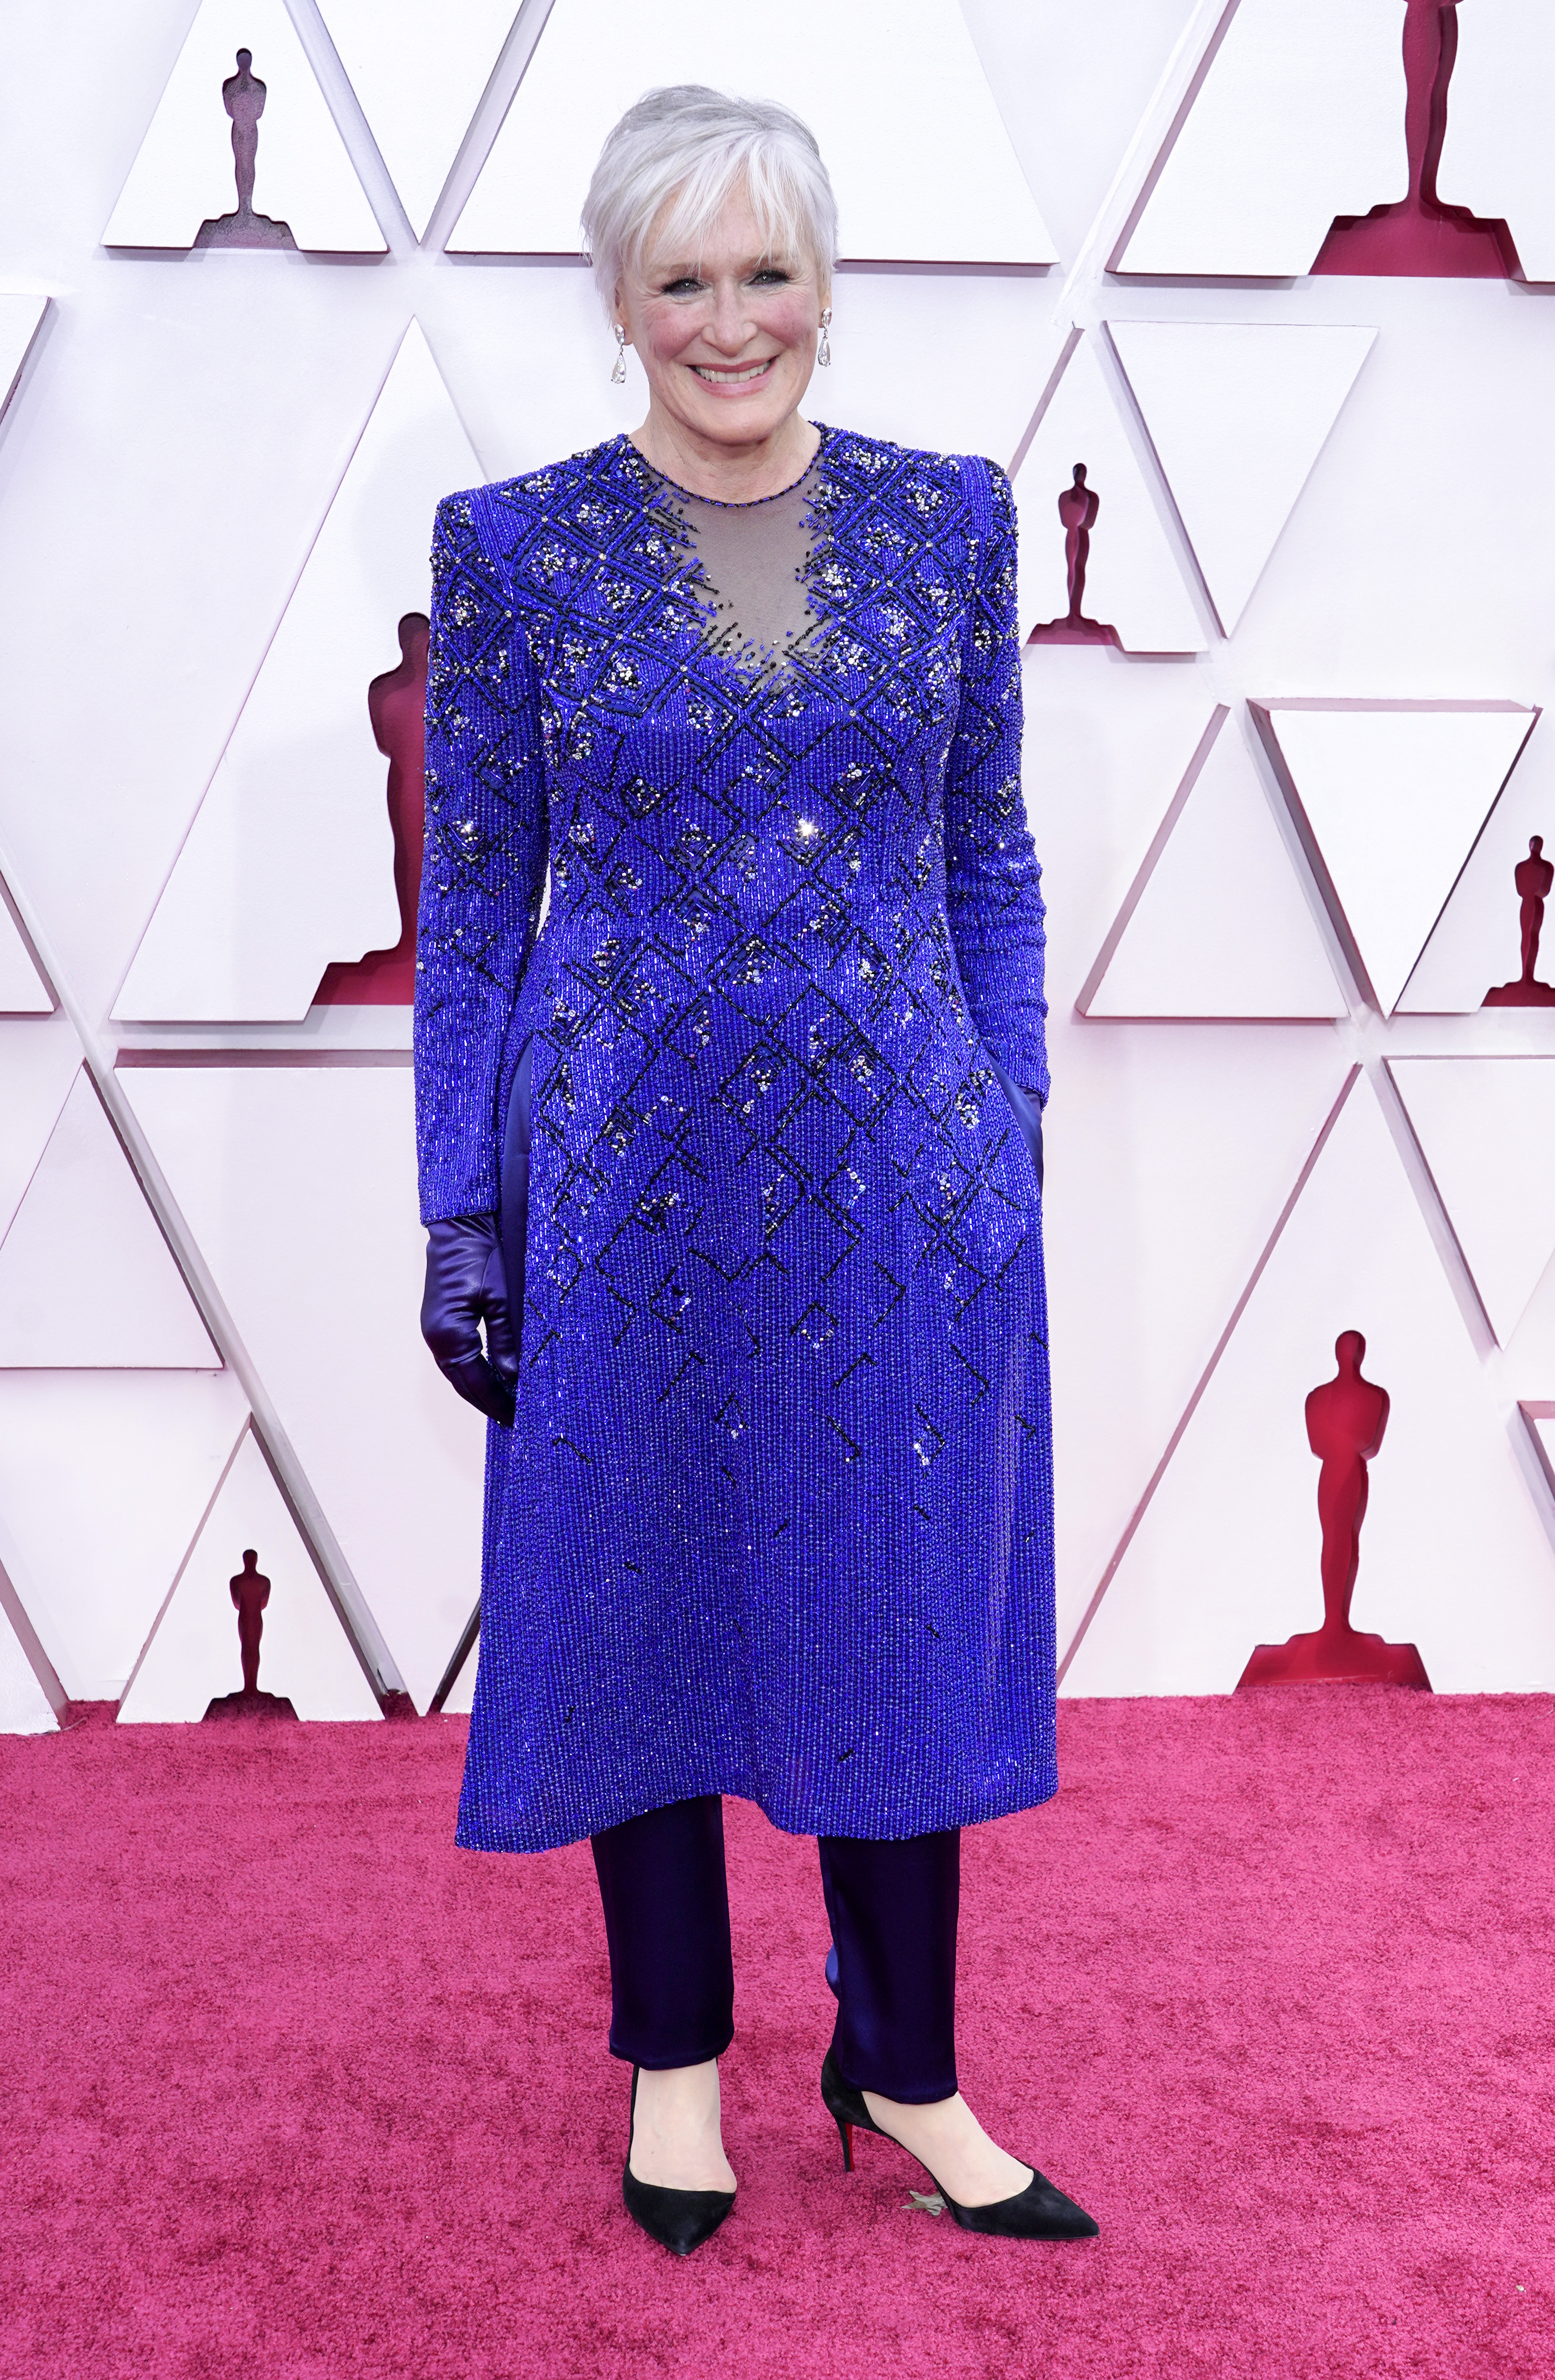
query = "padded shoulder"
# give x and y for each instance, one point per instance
(974, 482)
(499, 515)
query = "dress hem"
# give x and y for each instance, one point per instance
(975, 1812)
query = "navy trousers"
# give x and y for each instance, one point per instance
(894, 1908)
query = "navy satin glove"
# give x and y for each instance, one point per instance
(466, 1284)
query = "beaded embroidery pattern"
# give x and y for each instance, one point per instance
(774, 1517)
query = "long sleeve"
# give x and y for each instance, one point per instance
(993, 881)
(483, 874)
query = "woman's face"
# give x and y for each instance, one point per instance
(726, 337)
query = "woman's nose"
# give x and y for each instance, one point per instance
(729, 328)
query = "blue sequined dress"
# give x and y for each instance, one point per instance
(775, 1515)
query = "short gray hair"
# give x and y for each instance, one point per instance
(693, 145)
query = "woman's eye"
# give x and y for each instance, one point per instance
(771, 273)
(680, 288)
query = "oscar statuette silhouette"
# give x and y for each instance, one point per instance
(250, 1594)
(1346, 1419)
(1420, 234)
(1077, 508)
(1533, 878)
(243, 96)
(397, 704)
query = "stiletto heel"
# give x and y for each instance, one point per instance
(1041, 2211)
(679, 2220)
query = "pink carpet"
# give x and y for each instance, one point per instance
(293, 2088)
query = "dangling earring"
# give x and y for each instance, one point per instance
(618, 373)
(823, 352)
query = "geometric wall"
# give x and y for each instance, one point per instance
(1279, 785)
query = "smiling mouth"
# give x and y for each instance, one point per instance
(733, 375)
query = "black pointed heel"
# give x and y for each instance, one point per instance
(1037, 2212)
(679, 2220)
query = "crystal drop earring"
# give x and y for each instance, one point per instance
(618, 370)
(823, 352)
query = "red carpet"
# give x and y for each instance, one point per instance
(293, 2088)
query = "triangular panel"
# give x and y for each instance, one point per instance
(1174, 1154)
(39, 1058)
(25, 1709)
(1477, 945)
(927, 97)
(1299, 118)
(460, 1696)
(1496, 159)
(329, 1254)
(87, 1280)
(184, 176)
(1486, 1126)
(1454, 1558)
(1132, 582)
(1391, 795)
(23, 990)
(193, 1657)
(953, 315)
(1538, 1416)
(289, 863)
(21, 317)
(1238, 414)
(1216, 923)
(103, 1476)
(420, 74)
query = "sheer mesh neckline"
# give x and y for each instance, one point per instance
(748, 565)
(727, 503)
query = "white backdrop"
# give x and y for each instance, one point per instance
(1278, 821)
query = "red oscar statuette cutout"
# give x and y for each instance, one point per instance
(397, 704)
(243, 96)
(1346, 1419)
(1420, 234)
(1533, 878)
(250, 1593)
(1077, 508)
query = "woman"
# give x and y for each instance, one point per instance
(738, 1163)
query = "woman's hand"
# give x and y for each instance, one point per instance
(467, 1285)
